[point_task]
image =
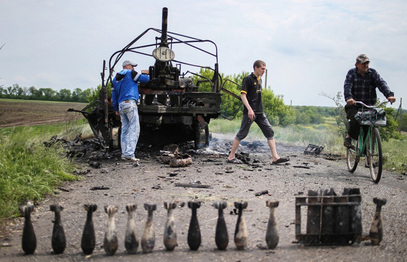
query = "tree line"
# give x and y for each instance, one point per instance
(31, 93)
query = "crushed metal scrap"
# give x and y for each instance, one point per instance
(313, 149)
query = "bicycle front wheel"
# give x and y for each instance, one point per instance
(375, 157)
(352, 156)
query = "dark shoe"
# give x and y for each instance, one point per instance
(280, 160)
(347, 142)
(367, 164)
(234, 161)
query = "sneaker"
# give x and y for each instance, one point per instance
(132, 159)
(135, 161)
(347, 142)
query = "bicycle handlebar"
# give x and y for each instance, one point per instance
(363, 104)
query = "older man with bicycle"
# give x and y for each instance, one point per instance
(360, 85)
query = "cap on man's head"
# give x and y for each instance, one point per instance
(128, 62)
(362, 58)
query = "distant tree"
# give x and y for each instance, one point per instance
(94, 93)
(20, 92)
(64, 95)
(302, 118)
(34, 93)
(24, 91)
(47, 93)
(275, 109)
(83, 97)
(75, 94)
(10, 91)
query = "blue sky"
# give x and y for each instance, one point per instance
(308, 45)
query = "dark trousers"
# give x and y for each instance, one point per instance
(354, 126)
(261, 120)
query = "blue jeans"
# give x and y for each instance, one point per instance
(130, 127)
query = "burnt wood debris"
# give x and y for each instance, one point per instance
(58, 240)
(88, 236)
(29, 240)
(130, 239)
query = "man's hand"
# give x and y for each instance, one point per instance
(391, 99)
(146, 72)
(250, 114)
(350, 101)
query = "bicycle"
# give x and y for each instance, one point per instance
(368, 145)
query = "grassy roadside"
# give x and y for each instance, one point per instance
(28, 170)
(327, 135)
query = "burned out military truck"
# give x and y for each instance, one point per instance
(173, 105)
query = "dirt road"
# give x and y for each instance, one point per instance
(122, 183)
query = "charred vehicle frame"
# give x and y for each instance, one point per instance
(171, 105)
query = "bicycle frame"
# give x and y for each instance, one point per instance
(368, 144)
(364, 139)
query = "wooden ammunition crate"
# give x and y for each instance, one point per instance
(330, 219)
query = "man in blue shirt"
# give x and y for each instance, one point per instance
(360, 85)
(124, 97)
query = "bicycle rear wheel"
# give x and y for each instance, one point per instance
(352, 156)
(375, 157)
